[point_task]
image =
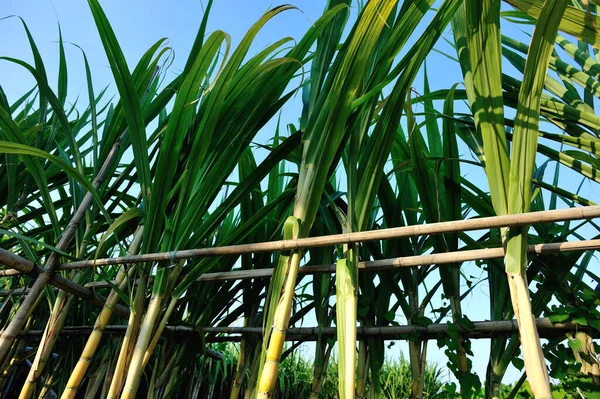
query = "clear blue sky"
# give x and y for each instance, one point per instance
(140, 23)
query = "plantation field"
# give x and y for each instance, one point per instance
(365, 199)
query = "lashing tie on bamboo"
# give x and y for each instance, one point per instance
(36, 269)
(283, 331)
(173, 258)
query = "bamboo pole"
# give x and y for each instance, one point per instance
(378, 265)
(480, 330)
(174, 332)
(457, 226)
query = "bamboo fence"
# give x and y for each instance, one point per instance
(367, 266)
(481, 329)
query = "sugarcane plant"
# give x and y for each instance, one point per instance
(209, 159)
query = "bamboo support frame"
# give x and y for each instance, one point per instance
(480, 330)
(377, 265)
(457, 226)
(21, 265)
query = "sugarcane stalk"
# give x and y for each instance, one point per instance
(12, 361)
(97, 377)
(362, 370)
(289, 264)
(135, 369)
(414, 352)
(346, 308)
(533, 355)
(51, 334)
(173, 278)
(242, 361)
(159, 330)
(100, 324)
(128, 342)
(110, 366)
(151, 391)
(253, 377)
(49, 381)
(519, 190)
(320, 371)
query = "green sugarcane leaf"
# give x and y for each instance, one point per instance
(575, 22)
(15, 148)
(31, 240)
(132, 213)
(477, 36)
(129, 97)
(526, 126)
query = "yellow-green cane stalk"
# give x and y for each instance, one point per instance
(325, 133)
(240, 369)
(476, 28)
(96, 379)
(253, 375)
(92, 344)
(346, 306)
(127, 345)
(319, 373)
(519, 190)
(100, 324)
(53, 327)
(362, 370)
(478, 44)
(159, 329)
(172, 280)
(13, 360)
(417, 350)
(289, 264)
(48, 383)
(136, 368)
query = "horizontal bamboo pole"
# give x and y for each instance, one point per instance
(409, 261)
(522, 219)
(480, 330)
(169, 331)
(26, 266)
(379, 265)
